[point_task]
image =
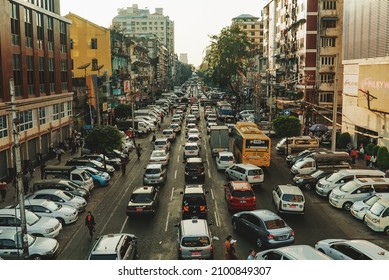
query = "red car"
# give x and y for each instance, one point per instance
(239, 196)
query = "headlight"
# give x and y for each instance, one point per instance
(299, 181)
(49, 230)
(338, 196)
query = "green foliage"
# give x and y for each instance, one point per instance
(383, 158)
(287, 126)
(228, 57)
(343, 140)
(184, 72)
(375, 149)
(369, 149)
(103, 139)
(123, 111)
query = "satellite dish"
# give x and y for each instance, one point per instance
(84, 66)
(100, 66)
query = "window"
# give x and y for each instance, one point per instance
(39, 30)
(327, 60)
(50, 33)
(62, 110)
(30, 74)
(326, 97)
(17, 72)
(25, 120)
(329, 5)
(63, 36)
(95, 64)
(15, 24)
(42, 115)
(51, 74)
(28, 27)
(327, 78)
(328, 23)
(55, 112)
(69, 108)
(41, 67)
(253, 26)
(328, 41)
(3, 126)
(93, 43)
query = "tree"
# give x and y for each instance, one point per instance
(287, 126)
(383, 158)
(102, 139)
(343, 139)
(123, 111)
(228, 58)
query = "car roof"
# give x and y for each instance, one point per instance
(144, 189)
(191, 144)
(161, 139)
(248, 166)
(154, 166)
(194, 227)
(300, 252)
(240, 185)
(194, 189)
(107, 243)
(368, 248)
(226, 154)
(194, 159)
(289, 189)
(264, 214)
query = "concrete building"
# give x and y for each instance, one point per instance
(366, 67)
(35, 53)
(183, 58)
(250, 25)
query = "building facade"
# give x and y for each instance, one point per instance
(366, 67)
(35, 53)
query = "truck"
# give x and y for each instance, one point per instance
(219, 139)
(334, 160)
(141, 127)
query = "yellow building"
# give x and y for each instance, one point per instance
(90, 44)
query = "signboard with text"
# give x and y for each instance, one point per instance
(126, 86)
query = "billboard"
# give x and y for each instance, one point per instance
(373, 87)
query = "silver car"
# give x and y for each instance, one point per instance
(159, 156)
(162, 144)
(155, 174)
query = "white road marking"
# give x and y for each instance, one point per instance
(178, 158)
(171, 196)
(217, 219)
(209, 174)
(167, 221)
(175, 175)
(213, 197)
(179, 148)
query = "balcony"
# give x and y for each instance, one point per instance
(327, 69)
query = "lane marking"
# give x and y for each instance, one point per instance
(171, 196)
(178, 158)
(167, 221)
(175, 174)
(217, 214)
(179, 148)
(213, 197)
(209, 174)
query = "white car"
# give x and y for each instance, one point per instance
(189, 126)
(245, 172)
(289, 199)
(169, 134)
(293, 252)
(194, 138)
(38, 247)
(61, 197)
(342, 249)
(191, 150)
(224, 160)
(47, 208)
(162, 144)
(159, 156)
(194, 131)
(360, 208)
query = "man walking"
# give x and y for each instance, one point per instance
(90, 223)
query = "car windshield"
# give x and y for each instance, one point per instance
(316, 173)
(92, 171)
(52, 206)
(30, 239)
(160, 143)
(377, 209)
(193, 200)
(191, 148)
(158, 154)
(31, 218)
(72, 184)
(293, 198)
(243, 193)
(141, 198)
(371, 200)
(255, 172)
(168, 132)
(97, 163)
(349, 186)
(68, 195)
(334, 177)
(195, 166)
(103, 257)
(195, 241)
(227, 158)
(275, 224)
(153, 171)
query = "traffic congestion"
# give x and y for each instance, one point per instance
(198, 172)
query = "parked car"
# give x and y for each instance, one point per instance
(61, 184)
(11, 246)
(91, 163)
(159, 156)
(115, 162)
(239, 196)
(342, 249)
(308, 181)
(288, 199)
(293, 252)
(265, 228)
(143, 200)
(100, 178)
(61, 197)
(360, 208)
(115, 246)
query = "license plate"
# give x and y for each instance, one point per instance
(196, 253)
(139, 209)
(292, 206)
(194, 177)
(282, 237)
(191, 152)
(256, 177)
(243, 201)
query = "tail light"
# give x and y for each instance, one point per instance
(270, 236)
(211, 249)
(203, 208)
(180, 248)
(186, 208)
(292, 234)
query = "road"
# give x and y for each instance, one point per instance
(157, 236)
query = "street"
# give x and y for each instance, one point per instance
(157, 236)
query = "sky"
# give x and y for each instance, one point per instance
(194, 20)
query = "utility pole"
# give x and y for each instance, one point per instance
(18, 170)
(335, 107)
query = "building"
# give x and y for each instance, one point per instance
(366, 66)
(251, 26)
(35, 53)
(183, 58)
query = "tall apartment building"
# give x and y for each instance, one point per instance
(250, 25)
(35, 53)
(366, 67)
(302, 44)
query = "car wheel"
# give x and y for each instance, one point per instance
(347, 205)
(307, 187)
(35, 257)
(62, 221)
(259, 243)
(234, 226)
(386, 231)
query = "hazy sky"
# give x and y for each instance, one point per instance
(194, 20)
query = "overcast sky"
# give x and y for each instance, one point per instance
(194, 20)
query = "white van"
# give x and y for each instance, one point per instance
(245, 172)
(377, 218)
(356, 190)
(327, 184)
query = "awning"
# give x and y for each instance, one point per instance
(329, 18)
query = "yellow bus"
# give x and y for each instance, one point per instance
(251, 145)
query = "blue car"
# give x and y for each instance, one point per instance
(100, 178)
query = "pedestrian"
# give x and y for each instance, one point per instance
(123, 168)
(349, 147)
(232, 251)
(90, 223)
(31, 168)
(367, 159)
(3, 190)
(159, 126)
(227, 245)
(153, 138)
(42, 167)
(361, 151)
(161, 117)
(26, 182)
(139, 151)
(251, 254)
(353, 155)
(373, 161)
(58, 152)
